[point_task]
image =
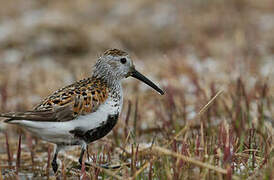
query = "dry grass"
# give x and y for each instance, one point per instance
(213, 58)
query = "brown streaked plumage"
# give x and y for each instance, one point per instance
(80, 98)
(115, 52)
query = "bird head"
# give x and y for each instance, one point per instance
(115, 65)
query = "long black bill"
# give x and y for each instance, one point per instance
(141, 77)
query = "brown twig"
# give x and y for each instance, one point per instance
(8, 149)
(18, 154)
(48, 163)
(165, 151)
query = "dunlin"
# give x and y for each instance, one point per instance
(84, 111)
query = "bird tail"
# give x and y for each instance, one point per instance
(40, 115)
(9, 117)
(14, 117)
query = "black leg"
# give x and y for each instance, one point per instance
(83, 149)
(54, 160)
(88, 154)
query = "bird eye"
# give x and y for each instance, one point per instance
(123, 60)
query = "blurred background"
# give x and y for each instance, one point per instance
(194, 48)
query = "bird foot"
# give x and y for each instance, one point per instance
(54, 166)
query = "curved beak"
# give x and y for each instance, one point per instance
(134, 73)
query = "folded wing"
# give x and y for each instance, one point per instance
(80, 98)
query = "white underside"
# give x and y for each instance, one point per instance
(58, 132)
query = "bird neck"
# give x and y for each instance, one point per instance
(115, 86)
(112, 83)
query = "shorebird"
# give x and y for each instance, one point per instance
(84, 111)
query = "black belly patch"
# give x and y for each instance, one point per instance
(96, 133)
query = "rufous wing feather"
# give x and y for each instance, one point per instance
(80, 98)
